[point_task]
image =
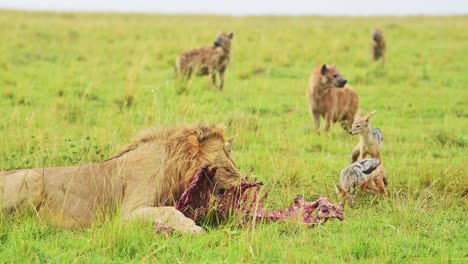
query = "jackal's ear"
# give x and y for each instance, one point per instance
(231, 35)
(194, 146)
(360, 115)
(323, 70)
(338, 189)
(371, 114)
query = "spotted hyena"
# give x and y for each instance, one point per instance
(378, 45)
(330, 97)
(206, 61)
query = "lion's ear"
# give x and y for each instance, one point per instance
(193, 145)
(229, 143)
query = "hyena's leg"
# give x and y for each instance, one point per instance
(213, 79)
(346, 125)
(183, 78)
(166, 216)
(316, 117)
(221, 79)
(328, 117)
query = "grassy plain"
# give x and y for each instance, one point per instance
(74, 88)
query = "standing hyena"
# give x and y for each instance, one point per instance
(378, 45)
(330, 97)
(206, 61)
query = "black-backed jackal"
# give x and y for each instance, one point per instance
(362, 174)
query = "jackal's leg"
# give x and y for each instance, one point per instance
(167, 216)
(381, 169)
(371, 186)
(380, 184)
(364, 187)
(355, 154)
(382, 172)
(21, 188)
(362, 155)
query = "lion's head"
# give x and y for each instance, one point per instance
(181, 152)
(207, 146)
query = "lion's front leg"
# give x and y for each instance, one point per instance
(167, 216)
(21, 188)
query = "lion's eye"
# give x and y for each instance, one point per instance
(358, 126)
(335, 75)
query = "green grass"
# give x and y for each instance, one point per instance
(65, 84)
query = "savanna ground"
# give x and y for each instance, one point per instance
(76, 87)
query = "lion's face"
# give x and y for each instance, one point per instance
(227, 175)
(215, 152)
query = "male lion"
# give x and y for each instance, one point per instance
(144, 181)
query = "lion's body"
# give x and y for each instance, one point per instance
(151, 172)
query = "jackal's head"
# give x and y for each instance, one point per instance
(331, 76)
(345, 195)
(224, 40)
(377, 35)
(361, 123)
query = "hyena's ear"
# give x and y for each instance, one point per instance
(194, 145)
(231, 35)
(323, 70)
(371, 114)
(228, 143)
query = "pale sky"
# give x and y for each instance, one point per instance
(250, 7)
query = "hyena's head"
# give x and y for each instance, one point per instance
(224, 41)
(331, 76)
(377, 35)
(361, 123)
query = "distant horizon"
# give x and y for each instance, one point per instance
(222, 15)
(359, 8)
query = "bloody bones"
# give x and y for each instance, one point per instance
(244, 200)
